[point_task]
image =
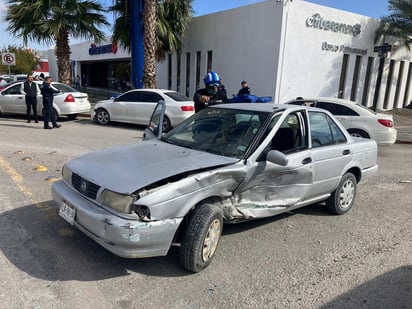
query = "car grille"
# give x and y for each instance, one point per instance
(85, 187)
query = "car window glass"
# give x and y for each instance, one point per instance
(321, 133)
(338, 136)
(64, 88)
(292, 134)
(15, 89)
(127, 97)
(228, 132)
(149, 97)
(177, 96)
(337, 109)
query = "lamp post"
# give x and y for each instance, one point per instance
(382, 51)
(136, 42)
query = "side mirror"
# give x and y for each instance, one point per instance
(277, 157)
(155, 127)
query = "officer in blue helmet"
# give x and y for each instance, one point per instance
(211, 94)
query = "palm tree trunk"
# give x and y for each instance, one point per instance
(62, 52)
(149, 68)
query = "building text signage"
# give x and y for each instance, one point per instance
(343, 49)
(103, 49)
(318, 22)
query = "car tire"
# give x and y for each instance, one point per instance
(201, 237)
(358, 133)
(102, 116)
(343, 198)
(167, 126)
(72, 116)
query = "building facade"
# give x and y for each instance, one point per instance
(282, 48)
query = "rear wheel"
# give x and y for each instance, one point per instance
(201, 237)
(358, 133)
(166, 124)
(342, 199)
(102, 116)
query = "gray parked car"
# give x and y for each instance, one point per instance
(227, 163)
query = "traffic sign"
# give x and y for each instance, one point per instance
(8, 58)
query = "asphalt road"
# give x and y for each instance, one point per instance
(303, 259)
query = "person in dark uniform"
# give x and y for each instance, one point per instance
(245, 90)
(29, 89)
(48, 93)
(209, 95)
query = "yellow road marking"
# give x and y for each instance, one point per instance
(18, 181)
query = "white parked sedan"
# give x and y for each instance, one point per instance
(69, 102)
(136, 106)
(359, 120)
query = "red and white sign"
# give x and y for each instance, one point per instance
(8, 58)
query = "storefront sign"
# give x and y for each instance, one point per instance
(343, 49)
(318, 22)
(103, 49)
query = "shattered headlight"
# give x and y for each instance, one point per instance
(117, 201)
(67, 174)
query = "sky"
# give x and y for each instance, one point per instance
(371, 8)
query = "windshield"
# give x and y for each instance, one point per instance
(224, 131)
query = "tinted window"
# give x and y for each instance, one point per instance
(13, 90)
(151, 97)
(324, 130)
(127, 97)
(337, 109)
(64, 88)
(177, 96)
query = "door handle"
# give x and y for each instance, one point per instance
(346, 152)
(306, 160)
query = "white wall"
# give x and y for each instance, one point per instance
(245, 45)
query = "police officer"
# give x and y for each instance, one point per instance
(48, 93)
(211, 94)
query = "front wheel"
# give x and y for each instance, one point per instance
(167, 126)
(201, 237)
(342, 199)
(102, 116)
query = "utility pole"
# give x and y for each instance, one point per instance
(137, 42)
(382, 51)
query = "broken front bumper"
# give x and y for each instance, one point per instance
(123, 237)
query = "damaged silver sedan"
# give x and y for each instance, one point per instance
(228, 163)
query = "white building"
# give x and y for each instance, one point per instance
(283, 49)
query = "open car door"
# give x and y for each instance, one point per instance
(155, 127)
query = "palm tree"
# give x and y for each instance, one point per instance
(54, 21)
(398, 24)
(165, 24)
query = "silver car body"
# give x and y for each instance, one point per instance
(68, 102)
(169, 179)
(136, 106)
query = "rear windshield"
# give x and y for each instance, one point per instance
(64, 88)
(177, 96)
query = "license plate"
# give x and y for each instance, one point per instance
(67, 212)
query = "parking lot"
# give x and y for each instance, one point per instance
(303, 259)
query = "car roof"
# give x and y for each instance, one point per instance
(266, 107)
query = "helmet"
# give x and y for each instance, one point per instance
(212, 79)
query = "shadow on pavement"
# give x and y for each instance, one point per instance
(390, 290)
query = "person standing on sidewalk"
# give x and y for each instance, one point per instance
(29, 88)
(48, 93)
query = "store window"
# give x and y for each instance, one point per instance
(343, 72)
(355, 78)
(187, 84)
(367, 82)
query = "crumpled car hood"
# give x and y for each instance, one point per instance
(127, 168)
